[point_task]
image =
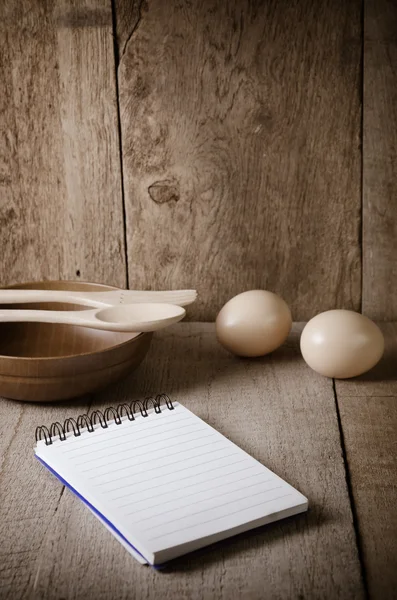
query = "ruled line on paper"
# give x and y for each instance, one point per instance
(152, 487)
(84, 462)
(204, 500)
(150, 460)
(138, 435)
(100, 432)
(183, 460)
(112, 462)
(171, 473)
(180, 444)
(204, 510)
(218, 518)
(108, 433)
(206, 489)
(217, 477)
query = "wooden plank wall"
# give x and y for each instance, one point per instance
(61, 213)
(241, 129)
(240, 126)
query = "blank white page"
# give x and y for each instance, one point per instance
(169, 483)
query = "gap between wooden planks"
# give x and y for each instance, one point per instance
(368, 416)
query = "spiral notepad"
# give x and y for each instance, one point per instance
(163, 481)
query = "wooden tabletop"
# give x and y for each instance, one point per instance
(334, 441)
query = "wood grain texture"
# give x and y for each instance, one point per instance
(240, 132)
(368, 411)
(28, 504)
(61, 210)
(380, 160)
(275, 408)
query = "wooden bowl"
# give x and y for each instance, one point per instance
(43, 362)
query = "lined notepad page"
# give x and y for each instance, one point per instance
(169, 483)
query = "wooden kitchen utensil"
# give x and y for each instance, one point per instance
(130, 317)
(98, 298)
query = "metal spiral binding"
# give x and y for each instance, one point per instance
(87, 422)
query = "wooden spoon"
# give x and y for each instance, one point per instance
(129, 317)
(100, 298)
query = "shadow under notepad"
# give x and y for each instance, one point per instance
(235, 546)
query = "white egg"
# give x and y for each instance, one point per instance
(341, 344)
(253, 323)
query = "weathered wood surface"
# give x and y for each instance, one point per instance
(61, 213)
(240, 132)
(368, 410)
(241, 150)
(380, 160)
(275, 408)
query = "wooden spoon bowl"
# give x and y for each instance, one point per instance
(48, 362)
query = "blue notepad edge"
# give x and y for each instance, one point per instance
(95, 510)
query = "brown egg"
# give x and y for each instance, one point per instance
(253, 323)
(341, 344)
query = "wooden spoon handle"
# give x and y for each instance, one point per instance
(10, 296)
(97, 298)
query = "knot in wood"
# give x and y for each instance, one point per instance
(164, 191)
